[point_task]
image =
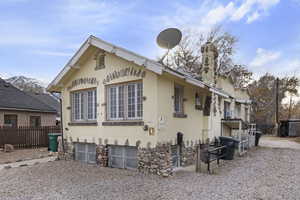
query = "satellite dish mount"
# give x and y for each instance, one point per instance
(168, 39)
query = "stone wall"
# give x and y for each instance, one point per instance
(102, 155)
(69, 153)
(156, 160)
(188, 155)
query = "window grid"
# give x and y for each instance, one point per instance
(125, 101)
(84, 105)
(178, 99)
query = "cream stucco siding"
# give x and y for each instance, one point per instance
(158, 105)
(112, 134)
(192, 126)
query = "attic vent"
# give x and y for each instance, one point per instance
(100, 61)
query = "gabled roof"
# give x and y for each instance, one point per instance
(12, 98)
(47, 99)
(149, 64)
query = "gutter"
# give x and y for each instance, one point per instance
(27, 110)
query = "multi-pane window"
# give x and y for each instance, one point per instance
(35, 121)
(11, 120)
(84, 105)
(178, 99)
(125, 101)
(246, 114)
(227, 113)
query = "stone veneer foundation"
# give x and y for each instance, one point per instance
(157, 160)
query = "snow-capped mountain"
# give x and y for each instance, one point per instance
(27, 84)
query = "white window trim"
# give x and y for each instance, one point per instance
(125, 112)
(180, 100)
(84, 94)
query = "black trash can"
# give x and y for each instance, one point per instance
(230, 144)
(257, 136)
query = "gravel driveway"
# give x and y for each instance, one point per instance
(279, 142)
(264, 173)
(23, 154)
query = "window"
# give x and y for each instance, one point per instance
(227, 113)
(11, 120)
(100, 61)
(206, 111)
(246, 114)
(178, 99)
(84, 105)
(35, 121)
(125, 101)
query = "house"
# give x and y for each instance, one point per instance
(17, 108)
(50, 100)
(123, 110)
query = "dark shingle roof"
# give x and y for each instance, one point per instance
(47, 99)
(13, 98)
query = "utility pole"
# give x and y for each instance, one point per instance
(290, 107)
(277, 107)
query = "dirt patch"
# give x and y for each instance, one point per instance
(297, 139)
(22, 154)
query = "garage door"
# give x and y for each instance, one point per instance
(123, 157)
(85, 152)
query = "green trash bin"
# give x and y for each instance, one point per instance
(53, 141)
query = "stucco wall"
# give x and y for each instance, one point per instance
(111, 134)
(47, 119)
(192, 126)
(158, 108)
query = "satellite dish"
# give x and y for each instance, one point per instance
(169, 38)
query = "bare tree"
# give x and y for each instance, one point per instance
(262, 93)
(187, 55)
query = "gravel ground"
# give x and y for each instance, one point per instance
(263, 173)
(22, 154)
(279, 142)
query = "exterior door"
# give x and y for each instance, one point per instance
(124, 157)
(85, 152)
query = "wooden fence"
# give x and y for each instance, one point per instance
(27, 137)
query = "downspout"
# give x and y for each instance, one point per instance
(61, 122)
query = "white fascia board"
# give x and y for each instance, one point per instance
(245, 101)
(70, 63)
(127, 55)
(195, 82)
(79, 53)
(218, 92)
(123, 53)
(174, 73)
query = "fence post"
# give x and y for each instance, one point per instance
(198, 159)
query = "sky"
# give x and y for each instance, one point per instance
(37, 38)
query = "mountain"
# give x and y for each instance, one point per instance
(27, 84)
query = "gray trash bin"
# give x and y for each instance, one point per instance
(230, 144)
